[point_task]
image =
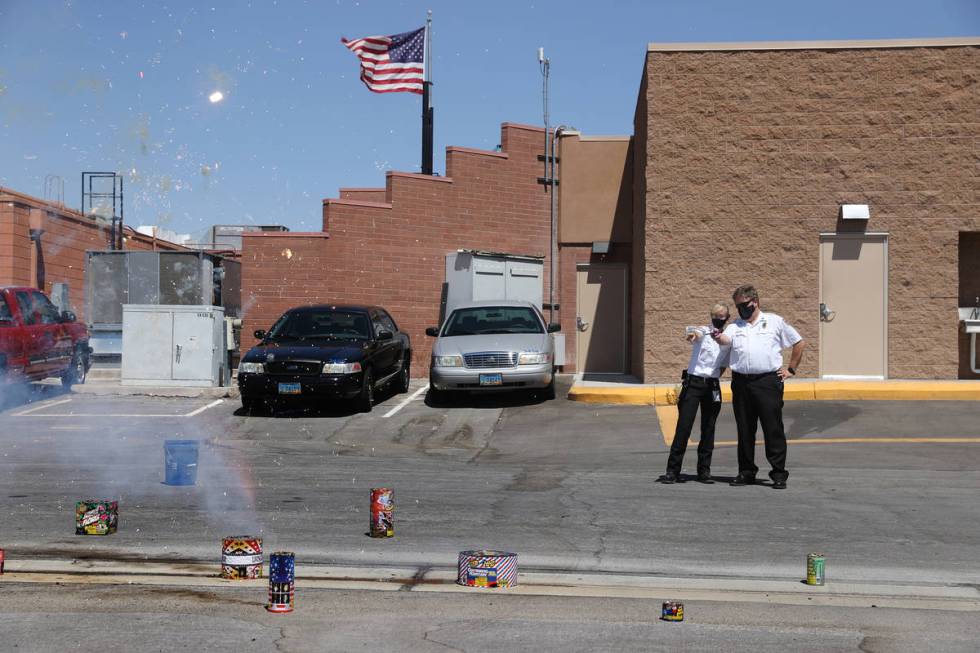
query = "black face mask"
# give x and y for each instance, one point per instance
(745, 310)
(718, 322)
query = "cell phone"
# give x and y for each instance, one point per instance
(689, 330)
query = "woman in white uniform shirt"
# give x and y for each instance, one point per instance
(700, 390)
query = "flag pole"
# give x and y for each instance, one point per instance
(427, 111)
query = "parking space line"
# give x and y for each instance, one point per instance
(204, 408)
(406, 401)
(40, 406)
(177, 415)
(28, 413)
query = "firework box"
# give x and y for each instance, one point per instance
(96, 517)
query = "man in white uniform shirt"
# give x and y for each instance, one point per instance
(757, 340)
(700, 389)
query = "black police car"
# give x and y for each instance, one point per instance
(326, 351)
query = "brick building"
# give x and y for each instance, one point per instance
(387, 246)
(745, 154)
(741, 159)
(45, 240)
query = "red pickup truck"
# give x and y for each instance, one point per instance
(37, 341)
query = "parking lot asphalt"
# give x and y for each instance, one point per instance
(569, 486)
(135, 618)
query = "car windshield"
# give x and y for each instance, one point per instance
(313, 324)
(492, 319)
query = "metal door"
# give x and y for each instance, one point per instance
(147, 337)
(853, 306)
(193, 349)
(524, 282)
(600, 342)
(488, 279)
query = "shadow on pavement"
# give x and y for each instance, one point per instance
(488, 400)
(315, 407)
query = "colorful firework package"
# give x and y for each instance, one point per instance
(96, 517)
(241, 557)
(487, 569)
(282, 582)
(382, 506)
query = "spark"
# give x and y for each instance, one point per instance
(216, 97)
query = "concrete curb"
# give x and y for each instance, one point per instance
(117, 390)
(801, 390)
(426, 578)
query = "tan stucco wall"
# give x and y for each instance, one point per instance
(595, 195)
(749, 155)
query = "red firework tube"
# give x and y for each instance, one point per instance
(382, 505)
(1, 561)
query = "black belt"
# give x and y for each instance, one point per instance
(752, 377)
(703, 379)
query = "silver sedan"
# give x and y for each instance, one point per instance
(493, 345)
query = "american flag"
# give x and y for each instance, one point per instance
(391, 64)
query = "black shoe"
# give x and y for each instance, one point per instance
(779, 485)
(669, 477)
(743, 479)
(705, 477)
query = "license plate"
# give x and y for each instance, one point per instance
(290, 388)
(491, 379)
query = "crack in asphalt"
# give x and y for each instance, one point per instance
(427, 638)
(281, 639)
(592, 522)
(490, 434)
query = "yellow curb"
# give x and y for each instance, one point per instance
(641, 396)
(804, 390)
(898, 390)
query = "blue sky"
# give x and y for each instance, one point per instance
(89, 86)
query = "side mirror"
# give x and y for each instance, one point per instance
(554, 327)
(259, 334)
(432, 331)
(385, 335)
(68, 316)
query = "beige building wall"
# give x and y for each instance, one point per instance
(595, 194)
(750, 150)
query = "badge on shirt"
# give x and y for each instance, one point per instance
(717, 396)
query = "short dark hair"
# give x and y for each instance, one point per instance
(746, 290)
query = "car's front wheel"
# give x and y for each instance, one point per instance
(365, 400)
(251, 404)
(77, 371)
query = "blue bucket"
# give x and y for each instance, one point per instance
(180, 462)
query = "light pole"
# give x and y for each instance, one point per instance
(549, 167)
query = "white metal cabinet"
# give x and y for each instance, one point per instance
(171, 345)
(479, 276)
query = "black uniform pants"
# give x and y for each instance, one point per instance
(696, 392)
(759, 398)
